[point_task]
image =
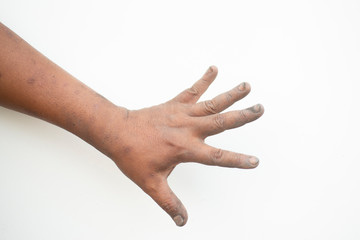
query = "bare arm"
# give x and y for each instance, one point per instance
(145, 144)
(32, 84)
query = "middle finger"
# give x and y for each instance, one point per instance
(221, 102)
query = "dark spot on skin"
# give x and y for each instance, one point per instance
(31, 81)
(33, 61)
(0, 75)
(77, 92)
(126, 149)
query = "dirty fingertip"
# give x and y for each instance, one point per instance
(179, 221)
(254, 161)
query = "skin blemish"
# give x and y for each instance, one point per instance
(126, 150)
(31, 81)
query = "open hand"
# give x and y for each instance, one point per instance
(156, 139)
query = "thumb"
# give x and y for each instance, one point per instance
(167, 200)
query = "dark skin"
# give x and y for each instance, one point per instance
(145, 144)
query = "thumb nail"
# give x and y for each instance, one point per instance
(178, 220)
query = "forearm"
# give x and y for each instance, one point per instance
(32, 84)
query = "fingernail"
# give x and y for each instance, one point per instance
(253, 161)
(178, 220)
(242, 87)
(256, 108)
(210, 70)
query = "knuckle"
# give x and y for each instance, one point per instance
(150, 185)
(219, 121)
(205, 79)
(210, 107)
(217, 156)
(194, 91)
(243, 117)
(168, 205)
(229, 98)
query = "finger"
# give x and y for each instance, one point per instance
(217, 123)
(221, 102)
(191, 95)
(167, 200)
(209, 155)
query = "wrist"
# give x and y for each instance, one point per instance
(106, 130)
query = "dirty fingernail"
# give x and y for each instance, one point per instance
(254, 161)
(178, 220)
(256, 108)
(242, 87)
(210, 69)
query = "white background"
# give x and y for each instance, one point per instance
(302, 59)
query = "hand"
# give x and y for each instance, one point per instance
(156, 139)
